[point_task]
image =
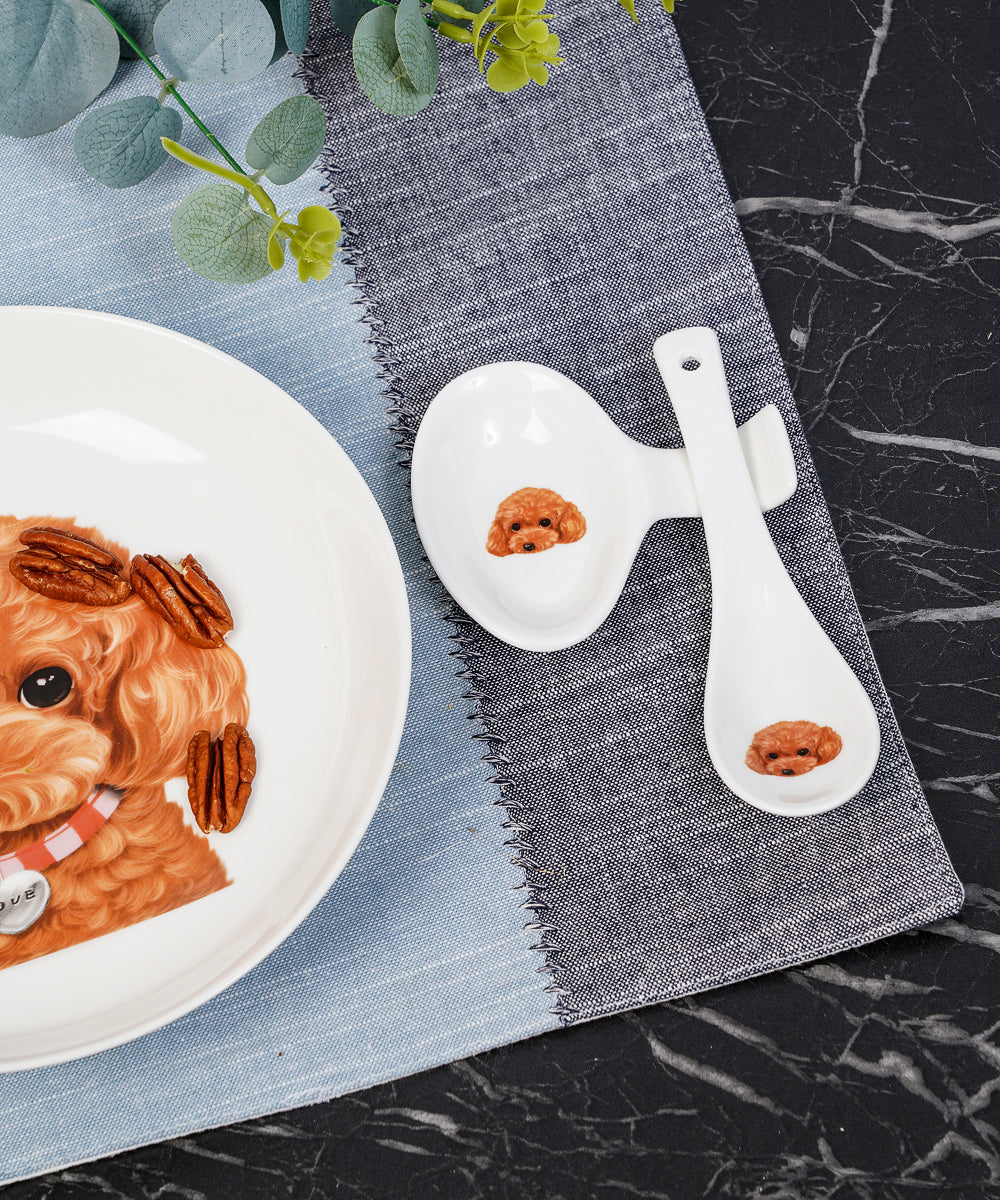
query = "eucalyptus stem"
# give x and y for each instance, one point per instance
(245, 181)
(127, 38)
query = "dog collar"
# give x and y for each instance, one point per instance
(70, 836)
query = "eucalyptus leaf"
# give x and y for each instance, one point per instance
(136, 17)
(57, 56)
(119, 144)
(295, 24)
(274, 12)
(220, 236)
(203, 40)
(417, 46)
(347, 13)
(380, 68)
(288, 140)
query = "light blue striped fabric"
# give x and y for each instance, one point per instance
(417, 956)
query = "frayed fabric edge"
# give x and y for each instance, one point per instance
(404, 423)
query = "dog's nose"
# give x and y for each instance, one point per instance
(529, 546)
(787, 771)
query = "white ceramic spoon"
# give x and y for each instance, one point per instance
(769, 659)
(500, 428)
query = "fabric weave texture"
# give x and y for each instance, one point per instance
(571, 226)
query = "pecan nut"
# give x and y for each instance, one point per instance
(64, 565)
(184, 596)
(220, 773)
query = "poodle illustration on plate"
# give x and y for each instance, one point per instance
(534, 519)
(115, 679)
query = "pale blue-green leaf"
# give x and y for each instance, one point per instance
(417, 46)
(347, 14)
(288, 140)
(295, 24)
(202, 40)
(136, 17)
(56, 57)
(119, 144)
(380, 69)
(220, 236)
(274, 12)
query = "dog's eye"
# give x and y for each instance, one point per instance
(516, 526)
(803, 752)
(545, 522)
(772, 755)
(42, 689)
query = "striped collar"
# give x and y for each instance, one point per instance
(70, 836)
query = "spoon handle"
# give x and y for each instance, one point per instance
(739, 543)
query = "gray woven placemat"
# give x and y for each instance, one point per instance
(570, 226)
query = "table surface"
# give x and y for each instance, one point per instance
(860, 141)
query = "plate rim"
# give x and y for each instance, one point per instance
(249, 959)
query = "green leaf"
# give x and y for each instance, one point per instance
(57, 56)
(203, 40)
(220, 236)
(629, 6)
(506, 75)
(295, 24)
(380, 69)
(288, 140)
(136, 17)
(274, 12)
(347, 13)
(417, 47)
(119, 144)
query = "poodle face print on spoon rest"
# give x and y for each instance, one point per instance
(531, 503)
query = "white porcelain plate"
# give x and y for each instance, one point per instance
(167, 446)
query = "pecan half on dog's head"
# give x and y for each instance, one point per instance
(184, 596)
(67, 566)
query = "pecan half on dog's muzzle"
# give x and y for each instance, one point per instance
(219, 774)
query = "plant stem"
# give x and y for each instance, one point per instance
(126, 37)
(245, 181)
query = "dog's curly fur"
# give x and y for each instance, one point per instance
(139, 693)
(526, 509)
(792, 748)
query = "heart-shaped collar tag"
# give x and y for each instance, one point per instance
(23, 899)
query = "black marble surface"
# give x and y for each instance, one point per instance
(862, 143)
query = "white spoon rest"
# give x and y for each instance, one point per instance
(498, 429)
